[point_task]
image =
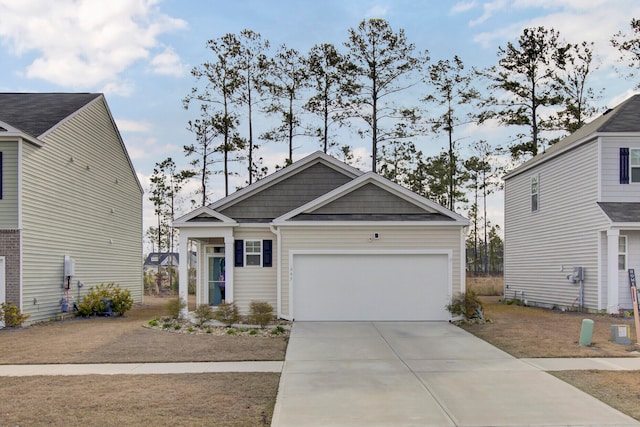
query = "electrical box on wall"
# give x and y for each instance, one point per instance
(69, 266)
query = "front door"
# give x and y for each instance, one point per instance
(216, 277)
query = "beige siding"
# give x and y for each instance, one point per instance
(564, 232)
(357, 238)
(9, 202)
(253, 282)
(612, 190)
(80, 198)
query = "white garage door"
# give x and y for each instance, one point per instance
(370, 286)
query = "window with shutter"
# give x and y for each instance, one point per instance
(267, 253)
(624, 165)
(239, 253)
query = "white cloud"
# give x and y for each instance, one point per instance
(133, 126)
(463, 6)
(489, 9)
(377, 11)
(168, 63)
(83, 43)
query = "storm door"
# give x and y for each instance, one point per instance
(216, 276)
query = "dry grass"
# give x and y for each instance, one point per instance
(225, 399)
(221, 399)
(488, 286)
(124, 340)
(536, 332)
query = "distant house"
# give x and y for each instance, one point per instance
(164, 260)
(577, 205)
(70, 201)
(321, 240)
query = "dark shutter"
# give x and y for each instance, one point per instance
(239, 253)
(624, 165)
(267, 253)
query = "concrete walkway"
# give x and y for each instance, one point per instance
(425, 374)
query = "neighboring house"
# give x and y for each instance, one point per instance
(321, 240)
(164, 260)
(577, 205)
(68, 192)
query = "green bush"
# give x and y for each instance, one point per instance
(277, 330)
(203, 313)
(467, 305)
(121, 299)
(227, 313)
(175, 306)
(260, 313)
(96, 301)
(12, 316)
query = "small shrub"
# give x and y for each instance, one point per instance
(253, 332)
(203, 313)
(467, 305)
(166, 325)
(175, 306)
(104, 297)
(208, 330)
(190, 329)
(153, 322)
(277, 330)
(231, 331)
(121, 299)
(260, 313)
(12, 316)
(177, 327)
(227, 313)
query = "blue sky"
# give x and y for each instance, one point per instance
(139, 53)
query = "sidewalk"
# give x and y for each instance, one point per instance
(138, 368)
(587, 363)
(542, 364)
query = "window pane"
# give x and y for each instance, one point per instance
(635, 174)
(534, 202)
(622, 262)
(253, 259)
(622, 244)
(634, 156)
(253, 246)
(534, 185)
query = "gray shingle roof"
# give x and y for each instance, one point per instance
(35, 113)
(372, 217)
(621, 211)
(625, 117)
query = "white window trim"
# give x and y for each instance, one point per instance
(535, 177)
(246, 253)
(631, 166)
(621, 239)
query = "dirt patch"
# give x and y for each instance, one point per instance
(125, 339)
(221, 399)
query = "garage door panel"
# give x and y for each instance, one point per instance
(370, 286)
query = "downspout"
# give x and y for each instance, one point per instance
(275, 230)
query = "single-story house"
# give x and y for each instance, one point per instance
(572, 217)
(70, 202)
(321, 240)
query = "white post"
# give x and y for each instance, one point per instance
(183, 271)
(229, 265)
(612, 271)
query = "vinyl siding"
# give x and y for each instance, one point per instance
(80, 198)
(357, 238)
(541, 247)
(253, 282)
(286, 195)
(9, 182)
(611, 189)
(370, 199)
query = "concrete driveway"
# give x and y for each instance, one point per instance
(420, 374)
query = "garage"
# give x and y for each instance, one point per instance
(370, 286)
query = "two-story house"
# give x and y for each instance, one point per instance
(577, 205)
(70, 201)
